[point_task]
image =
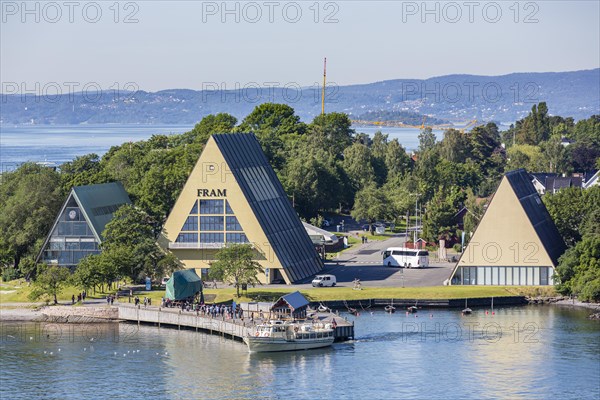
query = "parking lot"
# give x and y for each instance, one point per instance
(364, 262)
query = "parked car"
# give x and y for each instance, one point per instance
(324, 280)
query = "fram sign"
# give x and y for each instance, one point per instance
(212, 192)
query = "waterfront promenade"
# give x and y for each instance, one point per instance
(233, 328)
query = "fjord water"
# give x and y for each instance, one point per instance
(532, 352)
(58, 144)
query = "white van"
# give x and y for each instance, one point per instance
(405, 257)
(324, 280)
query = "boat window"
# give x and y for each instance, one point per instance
(424, 253)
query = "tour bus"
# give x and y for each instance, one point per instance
(404, 257)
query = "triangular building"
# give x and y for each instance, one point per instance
(233, 196)
(516, 241)
(78, 230)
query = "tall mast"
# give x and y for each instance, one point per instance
(323, 91)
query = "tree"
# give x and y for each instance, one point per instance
(88, 273)
(426, 139)
(332, 131)
(50, 281)
(129, 241)
(236, 265)
(456, 146)
(209, 125)
(271, 123)
(358, 165)
(569, 208)
(578, 271)
(371, 204)
(397, 161)
(30, 198)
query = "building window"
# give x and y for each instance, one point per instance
(236, 238)
(194, 208)
(233, 224)
(211, 238)
(211, 206)
(544, 275)
(190, 224)
(211, 223)
(187, 238)
(228, 209)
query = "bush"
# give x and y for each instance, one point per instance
(457, 248)
(590, 291)
(9, 274)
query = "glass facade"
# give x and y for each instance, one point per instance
(510, 276)
(71, 240)
(211, 222)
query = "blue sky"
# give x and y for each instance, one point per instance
(192, 45)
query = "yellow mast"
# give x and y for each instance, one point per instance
(323, 91)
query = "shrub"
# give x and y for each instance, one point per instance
(9, 274)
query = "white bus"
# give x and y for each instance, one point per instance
(404, 257)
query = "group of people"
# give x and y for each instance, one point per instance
(205, 310)
(110, 299)
(147, 301)
(80, 297)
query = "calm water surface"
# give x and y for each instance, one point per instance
(530, 352)
(59, 144)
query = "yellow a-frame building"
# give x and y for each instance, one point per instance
(233, 196)
(516, 241)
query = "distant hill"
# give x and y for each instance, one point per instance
(455, 98)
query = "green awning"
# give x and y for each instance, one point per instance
(183, 284)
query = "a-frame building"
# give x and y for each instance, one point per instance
(78, 230)
(233, 196)
(516, 241)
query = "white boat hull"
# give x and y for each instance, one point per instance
(267, 344)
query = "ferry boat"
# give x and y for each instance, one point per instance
(289, 336)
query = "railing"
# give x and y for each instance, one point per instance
(175, 245)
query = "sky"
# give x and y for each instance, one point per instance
(156, 45)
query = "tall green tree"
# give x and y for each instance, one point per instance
(371, 204)
(358, 165)
(30, 198)
(570, 208)
(426, 139)
(332, 131)
(236, 265)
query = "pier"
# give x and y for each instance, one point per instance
(232, 328)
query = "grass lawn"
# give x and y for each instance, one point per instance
(14, 292)
(18, 291)
(339, 293)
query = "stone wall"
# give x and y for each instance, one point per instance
(79, 315)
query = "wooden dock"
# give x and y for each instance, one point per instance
(230, 328)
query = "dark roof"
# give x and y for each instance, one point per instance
(270, 204)
(99, 202)
(537, 213)
(295, 300)
(560, 182)
(542, 176)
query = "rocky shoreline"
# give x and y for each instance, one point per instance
(60, 314)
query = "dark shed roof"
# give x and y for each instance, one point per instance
(537, 213)
(270, 204)
(99, 202)
(294, 300)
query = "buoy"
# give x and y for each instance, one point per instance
(58, 349)
(430, 315)
(85, 349)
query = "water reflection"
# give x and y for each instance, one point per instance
(542, 352)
